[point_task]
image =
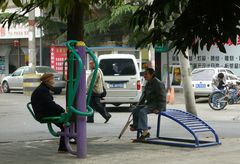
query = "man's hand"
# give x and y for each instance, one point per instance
(156, 111)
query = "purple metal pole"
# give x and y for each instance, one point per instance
(81, 105)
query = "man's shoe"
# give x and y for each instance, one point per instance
(143, 137)
(108, 118)
(132, 128)
(62, 150)
(90, 121)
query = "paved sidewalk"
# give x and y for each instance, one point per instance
(115, 151)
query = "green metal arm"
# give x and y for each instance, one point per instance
(73, 54)
(72, 89)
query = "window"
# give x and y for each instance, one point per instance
(28, 70)
(190, 58)
(18, 72)
(202, 74)
(117, 67)
(226, 58)
(236, 65)
(212, 58)
(199, 58)
(229, 72)
(217, 58)
(231, 58)
(222, 70)
(203, 58)
(45, 70)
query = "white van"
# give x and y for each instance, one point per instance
(121, 77)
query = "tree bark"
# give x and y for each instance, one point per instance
(75, 31)
(187, 83)
(75, 26)
(75, 22)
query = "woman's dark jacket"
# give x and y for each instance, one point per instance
(43, 104)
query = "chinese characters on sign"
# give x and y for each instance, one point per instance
(58, 55)
(17, 31)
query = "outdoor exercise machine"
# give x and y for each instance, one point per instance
(76, 90)
(189, 122)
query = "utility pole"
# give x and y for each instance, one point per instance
(41, 42)
(31, 40)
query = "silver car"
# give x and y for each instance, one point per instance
(202, 80)
(15, 80)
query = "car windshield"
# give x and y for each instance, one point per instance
(119, 67)
(202, 74)
(45, 70)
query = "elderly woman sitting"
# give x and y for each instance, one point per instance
(44, 105)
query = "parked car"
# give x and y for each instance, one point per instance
(14, 81)
(122, 78)
(202, 80)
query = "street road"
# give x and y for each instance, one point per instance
(16, 123)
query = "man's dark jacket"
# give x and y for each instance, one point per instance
(43, 104)
(154, 95)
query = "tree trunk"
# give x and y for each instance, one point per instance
(75, 22)
(75, 31)
(187, 84)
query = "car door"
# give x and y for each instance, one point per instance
(16, 79)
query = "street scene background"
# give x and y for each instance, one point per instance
(24, 140)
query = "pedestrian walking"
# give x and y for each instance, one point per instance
(98, 89)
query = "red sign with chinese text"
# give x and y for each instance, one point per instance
(57, 57)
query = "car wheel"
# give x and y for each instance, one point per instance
(58, 91)
(5, 87)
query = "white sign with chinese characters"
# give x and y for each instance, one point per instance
(16, 31)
